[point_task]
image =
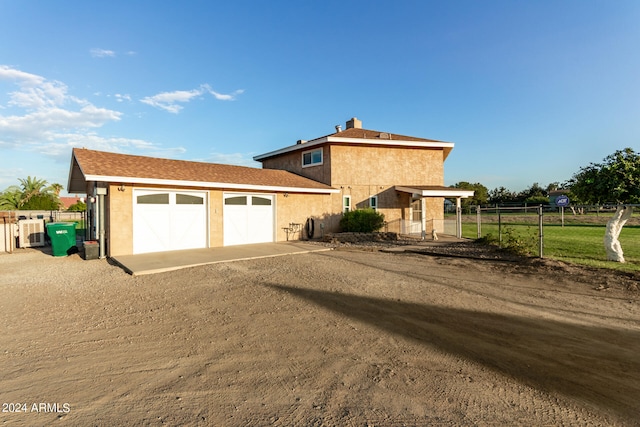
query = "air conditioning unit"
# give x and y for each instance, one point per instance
(31, 233)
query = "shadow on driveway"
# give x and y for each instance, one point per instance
(593, 364)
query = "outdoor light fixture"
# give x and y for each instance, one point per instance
(121, 188)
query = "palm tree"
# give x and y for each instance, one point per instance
(11, 199)
(31, 187)
(56, 188)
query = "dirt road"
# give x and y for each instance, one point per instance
(340, 338)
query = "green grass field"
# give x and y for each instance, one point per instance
(579, 244)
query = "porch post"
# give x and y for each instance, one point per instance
(423, 217)
(458, 218)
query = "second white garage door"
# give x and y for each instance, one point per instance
(248, 218)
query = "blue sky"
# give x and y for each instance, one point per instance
(529, 91)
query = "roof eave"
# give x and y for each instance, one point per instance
(446, 146)
(212, 185)
(439, 192)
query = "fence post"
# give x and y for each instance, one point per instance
(479, 221)
(540, 231)
(499, 227)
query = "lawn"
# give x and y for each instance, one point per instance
(580, 244)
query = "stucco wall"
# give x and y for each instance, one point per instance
(292, 162)
(362, 171)
(298, 208)
(119, 220)
(372, 165)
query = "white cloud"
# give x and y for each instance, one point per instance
(121, 98)
(41, 116)
(168, 101)
(102, 53)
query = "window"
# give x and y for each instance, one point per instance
(346, 203)
(187, 199)
(239, 200)
(373, 202)
(260, 201)
(312, 158)
(153, 199)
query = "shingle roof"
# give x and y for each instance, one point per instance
(374, 134)
(114, 167)
(365, 137)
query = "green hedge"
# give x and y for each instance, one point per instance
(362, 221)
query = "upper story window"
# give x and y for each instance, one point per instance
(312, 158)
(373, 202)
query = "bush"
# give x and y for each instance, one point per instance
(362, 221)
(513, 242)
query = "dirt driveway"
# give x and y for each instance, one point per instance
(339, 338)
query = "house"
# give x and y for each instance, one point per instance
(67, 202)
(139, 204)
(397, 175)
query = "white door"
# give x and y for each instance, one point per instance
(169, 220)
(248, 218)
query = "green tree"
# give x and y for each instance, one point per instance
(534, 195)
(501, 195)
(32, 194)
(11, 199)
(615, 180)
(31, 187)
(41, 202)
(78, 207)
(480, 196)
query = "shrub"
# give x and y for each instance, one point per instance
(513, 242)
(362, 220)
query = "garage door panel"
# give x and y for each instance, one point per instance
(248, 219)
(169, 220)
(149, 230)
(187, 230)
(260, 224)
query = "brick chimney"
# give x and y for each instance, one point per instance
(354, 124)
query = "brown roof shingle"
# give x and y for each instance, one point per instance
(374, 134)
(113, 165)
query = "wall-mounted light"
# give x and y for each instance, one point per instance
(121, 187)
(286, 194)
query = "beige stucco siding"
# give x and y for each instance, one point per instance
(292, 208)
(297, 208)
(371, 165)
(119, 220)
(292, 162)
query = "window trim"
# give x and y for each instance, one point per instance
(312, 163)
(346, 207)
(373, 205)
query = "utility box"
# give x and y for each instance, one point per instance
(91, 249)
(63, 238)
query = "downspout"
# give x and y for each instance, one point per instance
(101, 191)
(101, 225)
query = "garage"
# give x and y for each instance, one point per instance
(248, 218)
(165, 220)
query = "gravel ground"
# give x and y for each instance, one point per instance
(350, 337)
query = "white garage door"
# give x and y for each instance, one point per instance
(248, 218)
(169, 220)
